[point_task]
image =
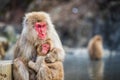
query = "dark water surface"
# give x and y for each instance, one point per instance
(77, 66)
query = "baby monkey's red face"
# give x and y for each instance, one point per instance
(45, 48)
(41, 29)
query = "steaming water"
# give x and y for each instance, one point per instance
(77, 66)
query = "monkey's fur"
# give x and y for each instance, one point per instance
(25, 50)
(2, 51)
(3, 48)
(95, 48)
(53, 71)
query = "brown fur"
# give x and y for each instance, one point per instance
(47, 71)
(3, 48)
(25, 50)
(2, 51)
(95, 47)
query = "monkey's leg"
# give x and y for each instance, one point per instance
(51, 71)
(20, 72)
(44, 73)
(57, 71)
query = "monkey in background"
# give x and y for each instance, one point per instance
(2, 51)
(32, 34)
(3, 47)
(95, 48)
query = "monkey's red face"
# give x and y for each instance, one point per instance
(41, 29)
(45, 48)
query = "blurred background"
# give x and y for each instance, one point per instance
(76, 21)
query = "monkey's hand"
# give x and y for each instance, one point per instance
(36, 65)
(33, 66)
(52, 56)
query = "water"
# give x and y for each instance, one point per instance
(77, 66)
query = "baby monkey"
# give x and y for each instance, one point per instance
(42, 50)
(41, 66)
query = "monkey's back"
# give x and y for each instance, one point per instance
(95, 49)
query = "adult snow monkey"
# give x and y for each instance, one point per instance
(36, 27)
(95, 48)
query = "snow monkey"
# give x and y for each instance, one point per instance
(95, 48)
(37, 27)
(3, 47)
(54, 72)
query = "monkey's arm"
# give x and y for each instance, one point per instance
(36, 65)
(17, 49)
(20, 72)
(33, 65)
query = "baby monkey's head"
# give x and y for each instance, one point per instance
(45, 48)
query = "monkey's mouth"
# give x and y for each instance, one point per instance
(42, 35)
